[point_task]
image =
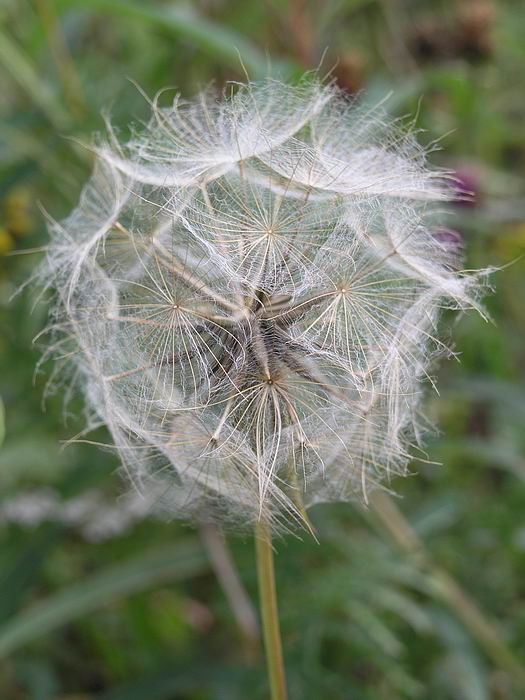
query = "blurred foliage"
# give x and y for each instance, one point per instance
(398, 606)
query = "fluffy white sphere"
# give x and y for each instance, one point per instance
(248, 292)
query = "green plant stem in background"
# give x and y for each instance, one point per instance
(486, 631)
(2, 421)
(65, 66)
(269, 611)
(19, 66)
(230, 581)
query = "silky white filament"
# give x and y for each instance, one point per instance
(248, 293)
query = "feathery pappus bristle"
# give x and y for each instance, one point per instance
(249, 294)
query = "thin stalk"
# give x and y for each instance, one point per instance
(269, 611)
(231, 584)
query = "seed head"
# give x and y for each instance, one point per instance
(249, 292)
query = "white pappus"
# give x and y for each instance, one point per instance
(249, 293)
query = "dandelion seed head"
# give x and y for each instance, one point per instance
(248, 295)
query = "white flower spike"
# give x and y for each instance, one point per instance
(248, 292)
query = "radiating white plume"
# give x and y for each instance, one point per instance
(249, 294)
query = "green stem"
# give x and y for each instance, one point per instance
(485, 630)
(269, 611)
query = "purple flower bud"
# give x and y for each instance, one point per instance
(450, 239)
(466, 185)
(452, 243)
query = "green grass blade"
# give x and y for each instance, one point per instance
(23, 72)
(214, 39)
(173, 563)
(159, 686)
(187, 680)
(2, 422)
(22, 565)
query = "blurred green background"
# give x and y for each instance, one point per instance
(418, 597)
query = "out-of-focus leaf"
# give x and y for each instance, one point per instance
(462, 669)
(159, 686)
(213, 38)
(234, 683)
(393, 95)
(500, 392)
(375, 628)
(37, 678)
(437, 514)
(37, 457)
(24, 73)
(180, 561)
(409, 610)
(20, 570)
(2, 421)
